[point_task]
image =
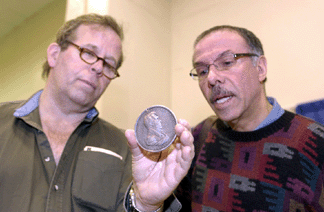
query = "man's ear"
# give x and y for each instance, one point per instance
(262, 68)
(53, 52)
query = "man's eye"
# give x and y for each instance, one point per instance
(226, 63)
(202, 71)
(109, 66)
(88, 54)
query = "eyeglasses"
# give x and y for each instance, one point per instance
(90, 57)
(222, 63)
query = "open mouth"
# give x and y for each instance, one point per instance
(222, 99)
(220, 95)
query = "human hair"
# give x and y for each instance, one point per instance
(67, 33)
(250, 38)
(253, 41)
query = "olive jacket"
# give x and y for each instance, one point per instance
(93, 173)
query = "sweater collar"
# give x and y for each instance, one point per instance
(256, 135)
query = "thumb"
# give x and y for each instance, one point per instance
(132, 143)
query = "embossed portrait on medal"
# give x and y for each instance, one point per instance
(155, 133)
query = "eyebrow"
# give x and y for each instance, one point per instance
(223, 53)
(218, 56)
(94, 49)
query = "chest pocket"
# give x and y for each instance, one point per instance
(97, 179)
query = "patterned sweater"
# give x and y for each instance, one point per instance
(276, 168)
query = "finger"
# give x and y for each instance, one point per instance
(184, 123)
(187, 153)
(187, 148)
(132, 143)
(182, 126)
(179, 129)
(184, 159)
(184, 135)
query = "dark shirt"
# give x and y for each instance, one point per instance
(92, 175)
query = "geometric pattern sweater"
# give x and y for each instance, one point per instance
(276, 168)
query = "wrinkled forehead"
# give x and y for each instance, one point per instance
(100, 39)
(80, 30)
(218, 42)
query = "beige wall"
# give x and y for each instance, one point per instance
(23, 51)
(292, 34)
(145, 74)
(158, 49)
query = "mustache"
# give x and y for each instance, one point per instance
(219, 92)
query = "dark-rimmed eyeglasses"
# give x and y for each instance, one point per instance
(90, 58)
(222, 63)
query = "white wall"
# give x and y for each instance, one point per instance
(292, 34)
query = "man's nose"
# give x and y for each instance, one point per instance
(98, 66)
(214, 75)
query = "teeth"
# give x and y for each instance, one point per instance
(222, 100)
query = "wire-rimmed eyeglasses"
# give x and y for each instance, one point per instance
(222, 63)
(90, 57)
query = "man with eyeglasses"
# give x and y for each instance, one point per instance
(56, 154)
(253, 155)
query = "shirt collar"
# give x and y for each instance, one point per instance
(28, 106)
(274, 114)
(31, 104)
